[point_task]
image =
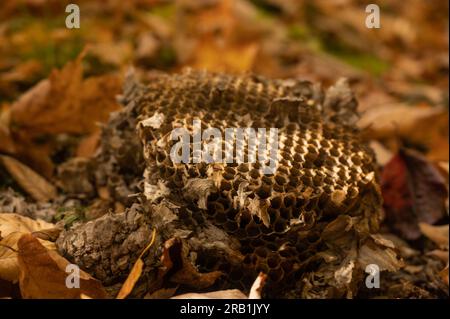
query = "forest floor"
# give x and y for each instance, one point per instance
(58, 84)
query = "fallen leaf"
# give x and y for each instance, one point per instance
(427, 126)
(9, 265)
(7, 144)
(413, 191)
(135, 272)
(12, 227)
(88, 145)
(437, 234)
(441, 254)
(255, 292)
(257, 287)
(444, 275)
(43, 274)
(382, 154)
(31, 182)
(221, 294)
(175, 258)
(163, 293)
(11, 223)
(63, 102)
(384, 257)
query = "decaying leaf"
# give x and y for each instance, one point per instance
(414, 191)
(257, 287)
(34, 184)
(438, 234)
(63, 103)
(9, 265)
(422, 126)
(12, 227)
(135, 273)
(43, 274)
(221, 294)
(255, 292)
(444, 274)
(11, 223)
(175, 257)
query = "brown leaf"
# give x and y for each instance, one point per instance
(257, 287)
(88, 145)
(413, 191)
(34, 184)
(42, 274)
(437, 234)
(63, 103)
(7, 144)
(255, 292)
(382, 154)
(9, 265)
(427, 126)
(221, 294)
(175, 256)
(444, 275)
(135, 272)
(11, 223)
(12, 227)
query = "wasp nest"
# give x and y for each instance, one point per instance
(323, 168)
(308, 223)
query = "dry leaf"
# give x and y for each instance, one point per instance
(444, 274)
(382, 154)
(7, 144)
(221, 294)
(176, 255)
(219, 58)
(135, 272)
(88, 145)
(12, 227)
(255, 292)
(437, 234)
(257, 287)
(63, 103)
(34, 184)
(163, 293)
(421, 125)
(9, 265)
(43, 276)
(413, 191)
(11, 223)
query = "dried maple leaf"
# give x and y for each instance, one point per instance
(63, 102)
(42, 274)
(413, 191)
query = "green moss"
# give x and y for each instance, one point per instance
(167, 56)
(166, 11)
(54, 55)
(361, 60)
(303, 34)
(70, 215)
(364, 61)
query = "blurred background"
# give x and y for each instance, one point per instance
(399, 71)
(58, 84)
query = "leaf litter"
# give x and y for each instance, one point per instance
(51, 135)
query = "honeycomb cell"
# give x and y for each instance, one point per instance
(277, 217)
